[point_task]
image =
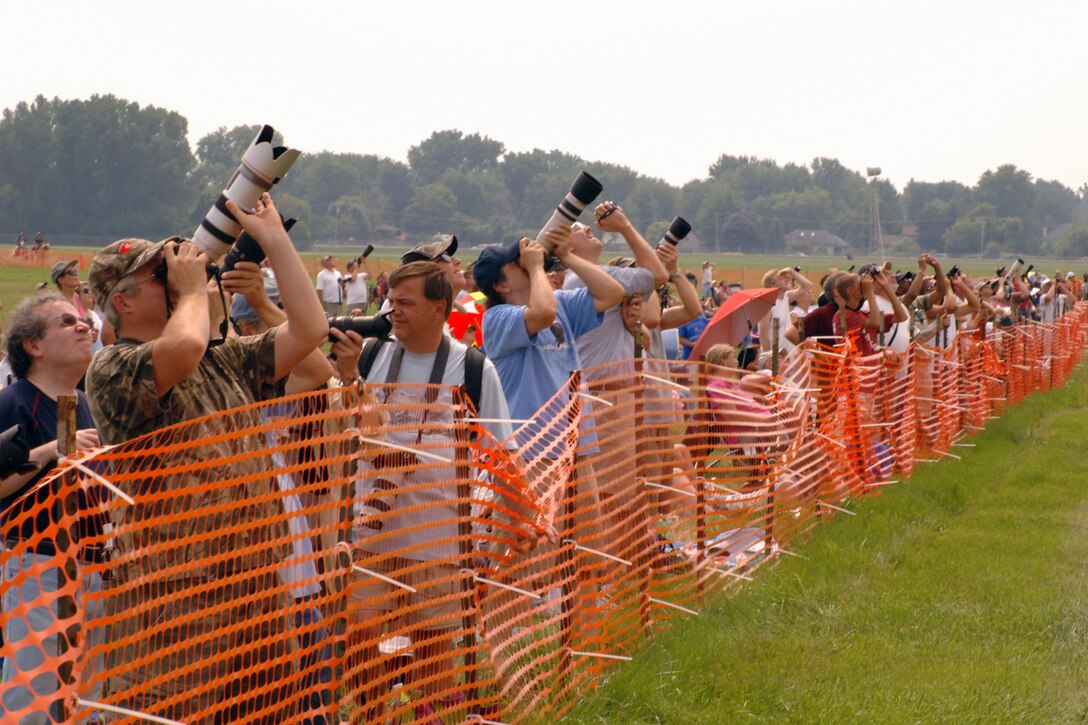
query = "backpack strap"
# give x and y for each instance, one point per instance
(368, 355)
(474, 375)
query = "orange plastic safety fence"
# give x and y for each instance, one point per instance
(379, 553)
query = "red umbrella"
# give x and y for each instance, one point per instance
(736, 318)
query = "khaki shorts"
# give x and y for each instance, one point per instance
(438, 602)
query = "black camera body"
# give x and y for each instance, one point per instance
(377, 325)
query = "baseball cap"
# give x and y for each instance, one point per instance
(60, 268)
(431, 250)
(118, 260)
(488, 267)
(240, 309)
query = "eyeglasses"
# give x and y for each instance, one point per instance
(67, 319)
(157, 274)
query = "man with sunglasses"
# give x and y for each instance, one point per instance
(162, 370)
(49, 347)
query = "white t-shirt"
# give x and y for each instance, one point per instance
(413, 501)
(328, 285)
(357, 292)
(610, 342)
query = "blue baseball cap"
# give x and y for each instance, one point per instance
(488, 267)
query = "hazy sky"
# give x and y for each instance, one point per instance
(926, 90)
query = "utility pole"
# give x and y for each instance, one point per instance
(876, 237)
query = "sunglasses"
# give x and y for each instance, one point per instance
(67, 319)
(442, 258)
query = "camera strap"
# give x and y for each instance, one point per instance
(438, 369)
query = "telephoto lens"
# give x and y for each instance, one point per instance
(374, 326)
(677, 231)
(262, 167)
(582, 193)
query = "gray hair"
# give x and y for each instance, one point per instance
(27, 324)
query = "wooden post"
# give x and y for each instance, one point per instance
(644, 535)
(66, 424)
(775, 322)
(464, 542)
(568, 562)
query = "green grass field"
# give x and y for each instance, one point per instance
(957, 596)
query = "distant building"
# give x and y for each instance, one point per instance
(819, 241)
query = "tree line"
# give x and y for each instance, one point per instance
(107, 166)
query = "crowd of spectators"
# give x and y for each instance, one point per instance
(146, 336)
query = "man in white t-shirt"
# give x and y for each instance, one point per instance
(420, 519)
(708, 280)
(330, 286)
(356, 293)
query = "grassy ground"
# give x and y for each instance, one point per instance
(958, 596)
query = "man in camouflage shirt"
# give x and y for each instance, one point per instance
(198, 624)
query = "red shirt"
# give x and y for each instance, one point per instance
(856, 321)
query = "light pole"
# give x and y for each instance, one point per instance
(876, 235)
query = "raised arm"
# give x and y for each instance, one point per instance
(541, 309)
(916, 283)
(606, 292)
(689, 308)
(801, 283)
(177, 351)
(246, 279)
(306, 327)
(610, 218)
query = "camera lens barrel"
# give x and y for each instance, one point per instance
(373, 326)
(262, 167)
(678, 229)
(582, 193)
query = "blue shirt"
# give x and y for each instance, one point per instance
(691, 332)
(533, 368)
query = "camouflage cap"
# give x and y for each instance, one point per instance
(118, 260)
(430, 251)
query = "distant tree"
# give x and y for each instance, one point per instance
(431, 210)
(1055, 204)
(779, 213)
(453, 150)
(520, 169)
(934, 219)
(656, 231)
(741, 232)
(1074, 243)
(916, 194)
(96, 166)
(292, 206)
(1010, 190)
